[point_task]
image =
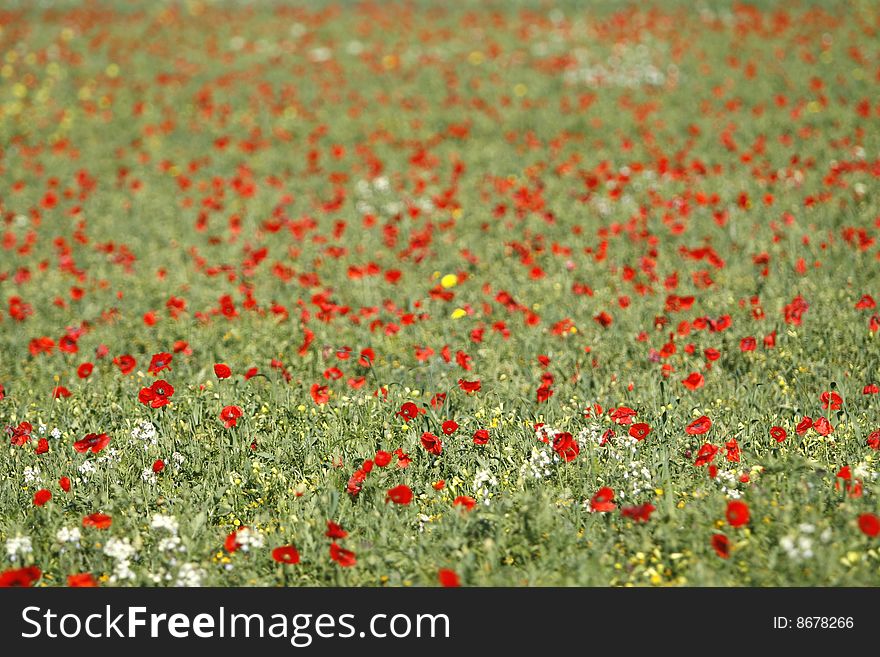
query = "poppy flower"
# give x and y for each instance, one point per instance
(732, 448)
(566, 446)
(408, 411)
(432, 443)
(230, 543)
(399, 495)
(622, 415)
(804, 425)
(157, 395)
(286, 554)
(705, 455)
(639, 430)
(449, 427)
(778, 434)
(20, 577)
(125, 363)
(222, 371)
(481, 436)
(721, 545)
(334, 530)
(823, 426)
(873, 440)
(229, 415)
(159, 362)
(699, 426)
(41, 497)
(382, 458)
(694, 381)
(64, 482)
(869, 523)
(21, 434)
(93, 442)
(737, 513)
(320, 394)
(448, 578)
(60, 391)
(345, 558)
(42, 446)
(602, 500)
(640, 513)
(84, 371)
(98, 521)
(469, 386)
(158, 466)
(465, 501)
(81, 580)
(440, 484)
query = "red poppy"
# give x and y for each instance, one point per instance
(20, 577)
(831, 399)
(778, 434)
(748, 344)
(432, 443)
(21, 434)
(382, 458)
(159, 362)
(804, 425)
(81, 580)
(721, 545)
(158, 466)
(466, 501)
(93, 442)
(98, 521)
(640, 513)
(59, 392)
(737, 513)
(449, 427)
(42, 446)
(399, 495)
(639, 430)
(602, 501)
(440, 484)
(699, 426)
(873, 440)
(334, 530)
(622, 415)
(823, 426)
(229, 415)
(64, 482)
(566, 446)
(345, 558)
(231, 544)
(125, 363)
(481, 436)
(869, 523)
(157, 395)
(469, 386)
(320, 394)
(41, 497)
(732, 448)
(286, 554)
(222, 371)
(408, 411)
(694, 381)
(84, 371)
(448, 578)
(705, 455)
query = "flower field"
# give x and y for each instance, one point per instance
(438, 294)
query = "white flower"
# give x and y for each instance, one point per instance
(189, 575)
(119, 549)
(248, 538)
(168, 523)
(171, 544)
(86, 467)
(18, 546)
(55, 433)
(68, 535)
(149, 476)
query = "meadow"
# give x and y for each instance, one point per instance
(423, 294)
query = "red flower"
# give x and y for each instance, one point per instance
(98, 521)
(469, 386)
(60, 391)
(737, 513)
(399, 495)
(84, 371)
(873, 440)
(449, 427)
(699, 426)
(466, 501)
(81, 580)
(408, 411)
(355, 482)
(622, 415)
(448, 578)
(748, 344)
(157, 395)
(64, 482)
(823, 426)
(158, 466)
(640, 513)
(231, 544)
(159, 362)
(693, 381)
(732, 448)
(804, 425)
(20, 434)
(335, 531)
(286, 554)
(721, 545)
(382, 458)
(42, 446)
(93, 442)
(345, 558)
(222, 371)
(831, 399)
(41, 497)
(706, 455)
(602, 500)
(432, 443)
(20, 577)
(125, 363)
(320, 394)
(481, 436)
(229, 415)
(778, 434)
(869, 523)
(566, 446)
(639, 430)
